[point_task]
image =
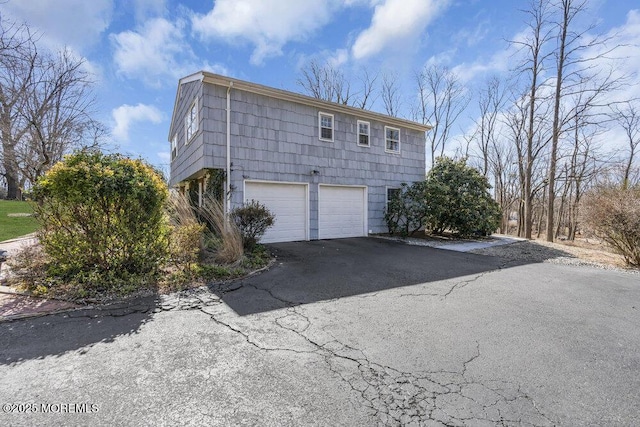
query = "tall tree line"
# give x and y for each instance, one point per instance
(538, 133)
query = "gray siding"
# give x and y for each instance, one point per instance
(190, 156)
(277, 140)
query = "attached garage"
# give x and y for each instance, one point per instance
(342, 211)
(288, 202)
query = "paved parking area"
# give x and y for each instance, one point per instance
(350, 332)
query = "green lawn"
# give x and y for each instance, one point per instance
(15, 226)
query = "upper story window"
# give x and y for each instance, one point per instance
(174, 146)
(191, 121)
(392, 139)
(364, 133)
(326, 126)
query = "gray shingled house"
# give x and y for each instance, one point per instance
(325, 170)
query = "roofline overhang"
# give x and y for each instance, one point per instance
(219, 80)
(285, 95)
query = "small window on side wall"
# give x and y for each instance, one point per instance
(392, 193)
(325, 122)
(174, 146)
(191, 121)
(364, 133)
(392, 139)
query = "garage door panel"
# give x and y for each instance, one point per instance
(288, 202)
(342, 212)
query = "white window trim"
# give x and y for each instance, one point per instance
(187, 122)
(174, 146)
(358, 133)
(385, 140)
(333, 126)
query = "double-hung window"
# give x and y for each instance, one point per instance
(325, 122)
(364, 133)
(174, 146)
(191, 121)
(392, 139)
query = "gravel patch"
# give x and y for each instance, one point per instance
(556, 253)
(518, 250)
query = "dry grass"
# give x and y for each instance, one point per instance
(221, 238)
(225, 235)
(27, 269)
(590, 250)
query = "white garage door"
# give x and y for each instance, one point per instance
(342, 212)
(288, 202)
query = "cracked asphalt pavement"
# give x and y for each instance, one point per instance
(351, 332)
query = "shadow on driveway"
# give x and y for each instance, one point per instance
(320, 270)
(57, 334)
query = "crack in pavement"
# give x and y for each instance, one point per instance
(464, 283)
(394, 397)
(391, 396)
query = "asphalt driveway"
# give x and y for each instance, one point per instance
(352, 332)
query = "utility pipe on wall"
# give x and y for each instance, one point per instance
(227, 190)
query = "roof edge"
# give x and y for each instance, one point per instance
(259, 89)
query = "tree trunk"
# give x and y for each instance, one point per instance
(566, 4)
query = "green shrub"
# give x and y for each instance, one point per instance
(405, 213)
(102, 217)
(252, 219)
(457, 199)
(184, 244)
(613, 215)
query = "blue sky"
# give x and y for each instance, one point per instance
(138, 49)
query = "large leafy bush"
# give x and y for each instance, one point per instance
(102, 218)
(457, 199)
(454, 197)
(406, 211)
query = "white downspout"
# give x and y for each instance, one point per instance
(227, 190)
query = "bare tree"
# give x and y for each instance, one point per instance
(442, 98)
(58, 111)
(628, 117)
(390, 92)
(46, 108)
(17, 62)
(533, 68)
(574, 73)
(491, 101)
(367, 93)
(326, 82)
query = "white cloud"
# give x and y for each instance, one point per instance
(150, 52)
(157, 52)
(126, 115)
(337, 58)
(394, 22)
(501, 61)
(624, 60)
(76, 23)
(149, 8)
(267, 24)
